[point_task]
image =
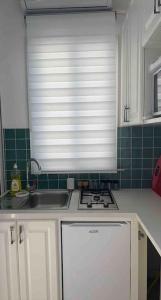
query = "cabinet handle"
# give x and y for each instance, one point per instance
(12, 231)
(156, 11)
(140, 235)
(126, 109)
(20, 234)
(159, 2)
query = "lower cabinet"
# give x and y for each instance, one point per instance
(28, 261)
(9, 281)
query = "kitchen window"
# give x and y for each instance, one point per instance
(72, 91)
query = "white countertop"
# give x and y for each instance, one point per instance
(134, 204)
(147, 206)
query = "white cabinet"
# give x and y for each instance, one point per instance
(37, 260)
(151, 19)
(28, 261)
(9, 284)
(132, 67)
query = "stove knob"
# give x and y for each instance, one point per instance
(89, 205)
(106, 205)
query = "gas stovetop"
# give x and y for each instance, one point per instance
(97, 199)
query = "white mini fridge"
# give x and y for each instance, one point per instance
(96, 261)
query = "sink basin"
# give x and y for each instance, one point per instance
(50, 199)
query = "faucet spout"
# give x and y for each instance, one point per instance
(28, 167)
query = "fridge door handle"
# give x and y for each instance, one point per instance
(108, 224)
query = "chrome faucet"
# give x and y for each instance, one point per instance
(28, 167)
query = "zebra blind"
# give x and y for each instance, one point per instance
(72, 91)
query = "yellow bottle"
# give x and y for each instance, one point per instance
(16, 185)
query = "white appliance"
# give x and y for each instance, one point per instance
(62, 4)
(96, 261)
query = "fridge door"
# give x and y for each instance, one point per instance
(96, 261)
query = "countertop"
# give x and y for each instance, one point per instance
(134, 204)
(147, 206)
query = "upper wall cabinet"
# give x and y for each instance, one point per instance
(132, 66)
(151, 18)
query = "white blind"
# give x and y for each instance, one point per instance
(72, 91)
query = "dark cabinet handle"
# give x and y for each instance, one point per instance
(126, 109)
(156, 11)
(21, 229)
(12, 231)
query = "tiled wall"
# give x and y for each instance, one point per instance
(138, 149)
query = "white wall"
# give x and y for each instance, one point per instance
(12, 65)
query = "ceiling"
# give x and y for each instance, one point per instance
(117, 4)
(120, 4)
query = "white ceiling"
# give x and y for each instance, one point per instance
(120, 4)
(117, 4)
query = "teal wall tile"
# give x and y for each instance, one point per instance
(157, 152)
(137, 142)
(21, 154)
(137, 131)
(148, 153)
(148, 131)
(62, 184)
(10, 144)
(146, 184)
(136, 184)
(53, 184)
(125, 153)
(148, 142)
(137, 152)
(63, 176)
(157, 131)
(125, 143)
(10, 154)
(94, 176)
(53, 176)
(43, 185)
(21, 144)
(147, 163)
(139, 148)
(125, 132)
(20, 133)
(126, 174)
(157, 142)
(136, 163)
(136, 174)
(147, 174)
(9, 134)
(126, 184)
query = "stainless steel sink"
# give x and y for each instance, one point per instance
(50, 199)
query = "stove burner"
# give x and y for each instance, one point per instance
(97, 199)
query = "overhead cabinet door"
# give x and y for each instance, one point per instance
(37, 260)
(132, 70)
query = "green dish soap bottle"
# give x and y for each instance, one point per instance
(16, 185)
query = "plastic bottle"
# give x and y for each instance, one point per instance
(15, 180)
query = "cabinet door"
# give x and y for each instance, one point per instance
(124, 73)
(151, 20)
(37, 260)
(132, 67)
(9, 287)
(134, 63)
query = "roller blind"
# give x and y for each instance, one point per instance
(72, 91)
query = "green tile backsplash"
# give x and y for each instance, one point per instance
(138, 150)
